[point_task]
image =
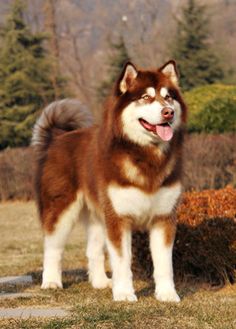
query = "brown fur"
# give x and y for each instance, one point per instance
(169, 225)
(91, 158)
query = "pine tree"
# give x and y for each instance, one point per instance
(25, 83)
(197, 61)
(116, 62)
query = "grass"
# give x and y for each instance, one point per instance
(21, 253)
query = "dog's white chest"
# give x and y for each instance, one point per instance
(134, 202)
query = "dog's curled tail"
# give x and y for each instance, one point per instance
(59, 117)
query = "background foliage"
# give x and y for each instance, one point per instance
(198, 62)
(25, 79)
(30, 70)
(212, 108)
(118, 58)
(30, 78)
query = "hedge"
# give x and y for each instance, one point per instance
(212, 108)
(205, 244)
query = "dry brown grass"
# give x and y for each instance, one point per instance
(21, 253)
(22, 241)
(209, 161)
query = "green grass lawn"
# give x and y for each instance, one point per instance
(21, 253)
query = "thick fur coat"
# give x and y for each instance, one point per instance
(122, 174)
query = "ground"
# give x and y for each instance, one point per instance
(21, 254)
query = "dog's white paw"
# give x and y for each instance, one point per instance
(119, 297)
(167, 296)
(51, 285)
(103, 283)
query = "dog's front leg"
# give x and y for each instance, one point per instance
(119, 248)
(95, 254)
(162, 235)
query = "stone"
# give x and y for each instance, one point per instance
(6, 295)
(14, 280)
(25, 313)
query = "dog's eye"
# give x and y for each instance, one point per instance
(167, 97)
(146, 97)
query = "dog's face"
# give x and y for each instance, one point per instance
(151, 106)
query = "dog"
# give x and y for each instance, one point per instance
(121, 175)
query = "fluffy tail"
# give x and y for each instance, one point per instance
(59, 117)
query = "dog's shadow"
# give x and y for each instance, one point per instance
(204, 255)
(70, 277)
(77, 276)
(146, 292)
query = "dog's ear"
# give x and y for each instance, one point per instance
(127, 77)
(170, 70)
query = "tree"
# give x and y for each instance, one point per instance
(51, 27)
(117, 60)
(197, 61)
(25, 78)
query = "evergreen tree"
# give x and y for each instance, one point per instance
(117, 60)
(25, 83)
(197, 61)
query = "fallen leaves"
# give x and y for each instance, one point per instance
(196, 207)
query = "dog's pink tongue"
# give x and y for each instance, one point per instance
(165, 132)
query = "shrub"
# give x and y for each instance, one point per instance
(16, 174)
(205, 245)
(218, 116)
(209, 161)
(212, 108)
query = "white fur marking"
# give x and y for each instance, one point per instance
(132, 172)
(95, 254)
(130, 74)
(177, 117)
(54, 245)
(169, 70)
(150, 113)
(163, 269)
(151, 91)
(132, 201)
(131, 125)
(163, 92)
(165, 199)
(122, 285)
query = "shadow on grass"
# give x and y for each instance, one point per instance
(203, 254)
(147, 291)
(69, 277)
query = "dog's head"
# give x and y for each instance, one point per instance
(149, 107)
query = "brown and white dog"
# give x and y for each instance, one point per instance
(126, 173)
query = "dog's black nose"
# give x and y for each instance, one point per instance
(167, 113)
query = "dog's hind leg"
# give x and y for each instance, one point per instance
(95, 254)
(54, 243)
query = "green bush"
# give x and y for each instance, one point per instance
(212, 109)
(219, 116)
